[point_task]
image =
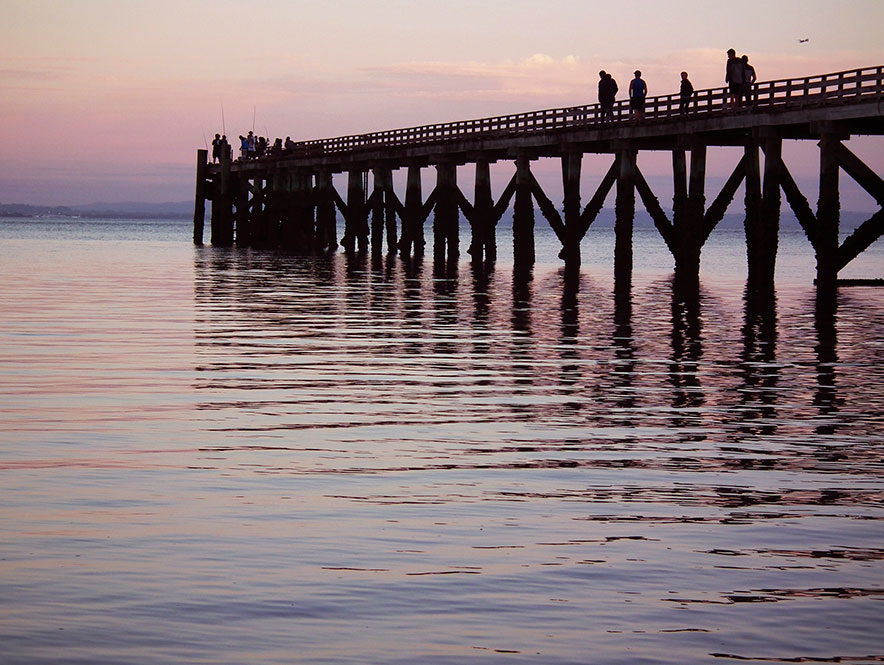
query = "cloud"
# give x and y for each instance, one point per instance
(536, 76)
(17, 71)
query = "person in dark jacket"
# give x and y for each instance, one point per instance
(685, 93)
(607, 94)
(733, 76)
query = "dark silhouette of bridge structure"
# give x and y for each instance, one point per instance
(288, 200)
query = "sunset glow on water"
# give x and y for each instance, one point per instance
(231, 456)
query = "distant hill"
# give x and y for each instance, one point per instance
(184, 210)
(100, 210)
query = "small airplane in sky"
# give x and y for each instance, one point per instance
(803, 41)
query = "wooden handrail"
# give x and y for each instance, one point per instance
(824, 89)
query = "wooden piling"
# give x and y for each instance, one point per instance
(571, 165)
(445, 218)
(624, 213)
(326, 231)
(483, 247)
(305, 209)
(412, 220)
(523, 217)
(199, 200)
(222, 213)
(241, 215)
(828, 214)
(689, 235)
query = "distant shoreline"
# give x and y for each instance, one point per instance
(129, 210)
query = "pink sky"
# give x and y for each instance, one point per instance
(108, 100)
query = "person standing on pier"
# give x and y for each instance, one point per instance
(250, 142)
(748, 80)
(607, 94)
(685, 93)
(638, 90)
(216, 148)
(733, 76)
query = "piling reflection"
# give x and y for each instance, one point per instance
(356, 342)
(687, 353)
(624, 346)
(826, 397)
(760, 373)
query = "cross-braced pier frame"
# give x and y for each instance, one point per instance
(289, 200)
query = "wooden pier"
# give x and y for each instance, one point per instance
(289, 200)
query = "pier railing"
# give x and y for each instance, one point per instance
(849, 86)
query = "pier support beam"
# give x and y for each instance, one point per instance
(484, 243)
(241, 217)
(413, 215)
(762, 222)
(624, 212)
(326, 224)
(222, 213)
(688, 226)
(523, 218)
(446, 214)
(356, 215)
(383, 211)
(828, 214)
(199, 201)
(571, 166)
(305, 211)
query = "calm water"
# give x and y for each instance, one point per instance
(221, 456)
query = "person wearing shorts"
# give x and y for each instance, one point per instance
(638, 90)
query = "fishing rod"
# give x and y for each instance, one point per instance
(223, 123)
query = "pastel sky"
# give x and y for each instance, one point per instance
(108, 100)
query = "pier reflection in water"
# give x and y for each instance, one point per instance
(505, 465)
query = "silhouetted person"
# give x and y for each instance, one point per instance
(216, 148)
(225, 148)
(607, 94)
(243, 147)
(748, 80)
(685, 93)
(734, 77)
(289, 144)
(638, 90)
(252, 147)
